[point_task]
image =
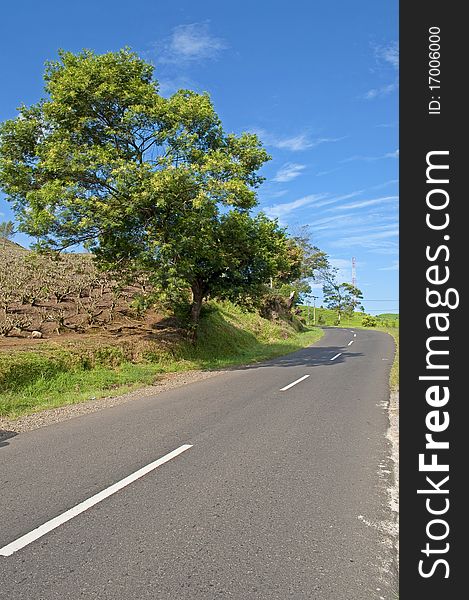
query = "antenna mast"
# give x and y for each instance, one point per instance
(354, 272)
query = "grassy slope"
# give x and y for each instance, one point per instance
(55, 375)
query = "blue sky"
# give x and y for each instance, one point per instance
(316, 79)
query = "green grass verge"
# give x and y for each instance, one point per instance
(54, 375)
(394, 375)
(328, 317)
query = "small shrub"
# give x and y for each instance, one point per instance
(369, 321)
(141, 303)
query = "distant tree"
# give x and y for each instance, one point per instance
(311, 261)
(343, 298)
(141, 180)
(7, 231)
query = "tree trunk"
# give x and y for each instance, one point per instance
(198, 293)
(291, 299)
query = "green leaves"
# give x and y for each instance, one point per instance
(7, 230)
(141, 180)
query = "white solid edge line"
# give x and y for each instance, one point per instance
(350, 343)
(334, 357)
(35, 534)
(294, 383)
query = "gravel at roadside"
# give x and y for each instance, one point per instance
(393, 437)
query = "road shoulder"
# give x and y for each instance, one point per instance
(51, 416)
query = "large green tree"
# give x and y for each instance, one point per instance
(141, 180)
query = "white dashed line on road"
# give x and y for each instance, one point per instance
(350, 343)
(35, 534)
(334, 357)
(294, 383)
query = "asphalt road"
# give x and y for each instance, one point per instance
(281, 494)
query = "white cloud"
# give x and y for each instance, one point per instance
(384, 184)
(280, 210)
(322, 173)
(394, 154)
(338, 198)
(387, 249)
(352, 230)
(331, 223)
(387, 59)
(296, 143)
(278, 193)
(393, 267)
(373, 241)
(351, 222)
(341, 263)
(364, 203)
(380, 92)
(373, 230)
(288, 172)
(319, 200)
(388, 54)
(191, 43)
